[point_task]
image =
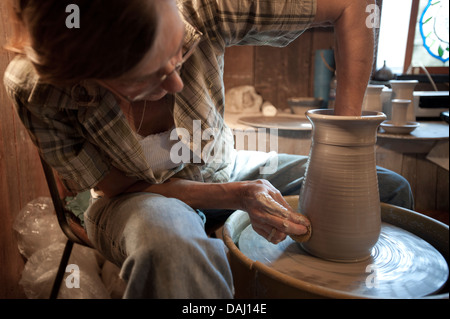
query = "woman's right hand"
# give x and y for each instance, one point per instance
(270, 214)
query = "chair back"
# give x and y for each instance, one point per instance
(69, 223)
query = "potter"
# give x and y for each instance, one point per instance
(340, 191)
(100, 117)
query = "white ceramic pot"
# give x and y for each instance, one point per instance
(404, 89)
(340, 191)
(400, 111)
(372, 98)
(300, 105)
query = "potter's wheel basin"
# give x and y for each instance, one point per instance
(255, 279)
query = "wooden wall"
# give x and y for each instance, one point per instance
(276, 73)
(21, 178)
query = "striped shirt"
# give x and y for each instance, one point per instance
(81, 131)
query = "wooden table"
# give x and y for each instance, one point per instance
(282, 140)
(406, 154)
(422, 158)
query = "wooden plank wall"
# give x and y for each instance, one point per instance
(277, 73)
(21, 178)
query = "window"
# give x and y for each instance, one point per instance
(430, 46)
(414, 34)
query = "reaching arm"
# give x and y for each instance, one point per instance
(264, 204)
(353, 50)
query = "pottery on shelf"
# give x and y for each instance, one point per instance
(400, 111)
(299, 105)
(404, 89)
(372, 98)
(383, 74)
(391, 128)
(340, 190)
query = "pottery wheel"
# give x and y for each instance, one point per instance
(402, 265)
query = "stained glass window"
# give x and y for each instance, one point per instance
(431, 38)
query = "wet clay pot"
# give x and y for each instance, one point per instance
(340, 191)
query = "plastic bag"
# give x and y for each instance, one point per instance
(112, 281)
(41, 241)
(37, 226)
(243, 99)
(85, 282)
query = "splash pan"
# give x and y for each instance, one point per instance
(407, 262)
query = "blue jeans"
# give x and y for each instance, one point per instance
(160, 243)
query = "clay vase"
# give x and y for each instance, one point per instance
(340, 190)
(404, 89)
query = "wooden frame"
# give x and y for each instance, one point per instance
(410, 44)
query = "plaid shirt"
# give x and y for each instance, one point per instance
(81, 131)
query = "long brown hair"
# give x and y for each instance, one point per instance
(112, 37)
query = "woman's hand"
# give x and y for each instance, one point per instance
(270, 215)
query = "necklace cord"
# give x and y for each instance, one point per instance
(142, 117)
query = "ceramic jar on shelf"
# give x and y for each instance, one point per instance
(372, 98)
(400, 112)
(404, 90)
